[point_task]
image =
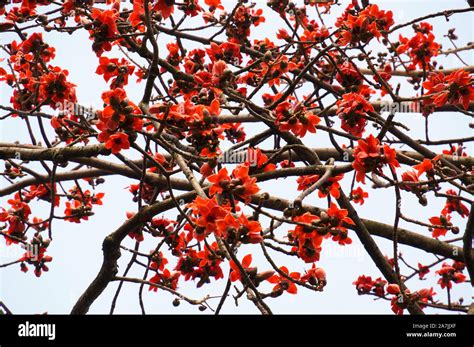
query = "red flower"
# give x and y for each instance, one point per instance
(440, 225)
(118, 112)
(214, 4)
(242, 185)
(105, 29)
(35, 44)
(409, 176)
(227, 51)
(352, 109)
(55, 89)
(235, 273)
(166, 7)
(454, 205)
(393, 289)
(283, 284)
(220, 181)
(364, 284)
(293, 116)
(37, 259)
(358, 195)
(306, 181)
(379, 287)
(397, 308)
(422, 270)
(331, 186)
(337, 218)
(158, 261)
(338, 215)
(16, 217)
(218, 73)
(247, 186)
(315, 276)
(76, 211)
(120, 69)
(425, 166)
(256, 158)
(456, 150)
(239, 229)
(166, 278)
(363, 26)
(425, 295)
(308, 240)
(208, 211)
(117, 142)
(455, 88)
(421, 47)
(348, 76)
(449, 273)
(368, 157)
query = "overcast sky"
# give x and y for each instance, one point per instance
(76, 248)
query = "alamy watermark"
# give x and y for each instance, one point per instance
(400, 107)
(239, 157)
(75, 109)
(28, 329)
(30, 250)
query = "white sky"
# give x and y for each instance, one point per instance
(76, 248)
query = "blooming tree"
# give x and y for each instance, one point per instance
(220, 114)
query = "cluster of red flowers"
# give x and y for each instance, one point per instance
(292, 116)
(36, 256)
(454, 204)
(369, 156)
(203, 264)
(365, 285)
(35, 82)
(399, 304)
(118, 121)
(26, 9)
(352, 109)
(212, 217)
(451, 273)
(310, 231)
(244, 17)
(104, 29)
(442, 223)
(191, 265)
(17, 218)
(456, 89)
(276, 68)
(359, 27)
(227, 51)
(41, 192)
(80, 205)
(348, 76)
(330, 186)
(199, 125)
(240, 185)
(421, 47)
(307, 238)
(312, 33)
(117, 69)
